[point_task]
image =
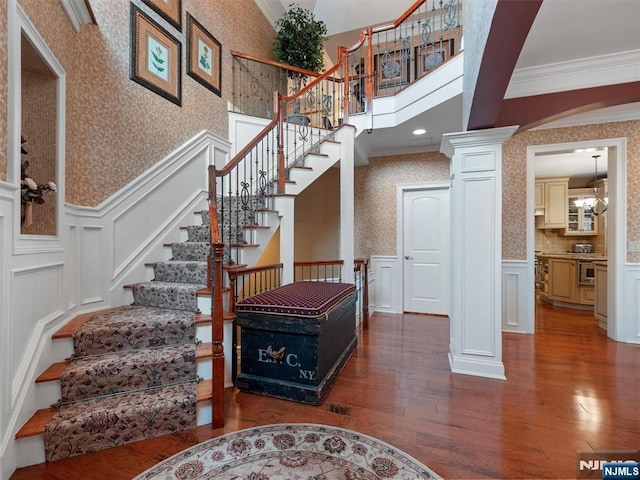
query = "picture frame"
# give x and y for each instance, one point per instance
(156, 57)
(429, 56)
(170, 10)
(204, 56)
(391, 69)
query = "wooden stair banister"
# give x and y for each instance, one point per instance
(217, 314)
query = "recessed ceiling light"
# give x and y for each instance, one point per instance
(419, 131)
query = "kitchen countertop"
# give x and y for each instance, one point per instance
(574, 256)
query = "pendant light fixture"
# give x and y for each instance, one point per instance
(599, 204)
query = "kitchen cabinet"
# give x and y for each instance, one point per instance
(556, 209)
(563, 280)
(539, 195)
(557, 281)
(581, 219)
(586, 295)
(600, 308)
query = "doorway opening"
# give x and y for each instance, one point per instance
(610, 247)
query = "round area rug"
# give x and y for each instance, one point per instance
(290, 451)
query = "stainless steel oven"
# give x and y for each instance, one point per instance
(586, 272)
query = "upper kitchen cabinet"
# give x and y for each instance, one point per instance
(555, 201)
(582, 221)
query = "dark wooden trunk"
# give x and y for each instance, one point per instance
(293, 356)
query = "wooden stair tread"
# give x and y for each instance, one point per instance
(256, 227)
(204, 350)
(53, 372)
(302, 167)
(35, 425)
(318, 154)
(202, 318)
(206, 292)
(266, 210)
(38, 421)
(203, 392)
(67, 330)
(245, 245)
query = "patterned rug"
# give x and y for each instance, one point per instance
(290, 451)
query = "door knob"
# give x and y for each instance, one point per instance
(407, 257)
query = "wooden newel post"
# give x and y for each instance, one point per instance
(217, 359)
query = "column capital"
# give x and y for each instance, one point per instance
(475, 138)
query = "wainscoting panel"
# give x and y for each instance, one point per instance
(517, 293)
(629, 319)
(28, 317)
(477, 299)
(92, 265)
(148, 213)
(386, 273)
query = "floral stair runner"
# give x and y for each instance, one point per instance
(132, 376)
(133, 372)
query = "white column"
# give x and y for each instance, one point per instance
(476, 251)
(347, 236)
(286, 211)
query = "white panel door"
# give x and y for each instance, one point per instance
(426, 251)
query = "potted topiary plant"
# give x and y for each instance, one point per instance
(300, 39)
(299, 42)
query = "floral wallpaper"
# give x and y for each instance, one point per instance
(514, 180)
(115, 128)
(375, 196)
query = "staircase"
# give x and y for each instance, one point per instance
(131, 372)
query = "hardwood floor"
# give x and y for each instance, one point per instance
(568, 389)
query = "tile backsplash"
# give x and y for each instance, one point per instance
(552, 241)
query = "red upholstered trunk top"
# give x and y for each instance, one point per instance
(303, 299)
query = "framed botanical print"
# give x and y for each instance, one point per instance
(156, 57)
(170, 10)
(429, 56)
(204, 56)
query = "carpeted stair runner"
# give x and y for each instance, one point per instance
(105, 422)
(133, 372)
(133, 327)
(177, 281)
(107, 374)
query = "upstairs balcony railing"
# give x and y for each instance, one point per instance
(385, 60)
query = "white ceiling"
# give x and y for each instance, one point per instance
(564, 30)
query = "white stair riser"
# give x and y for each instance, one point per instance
(203, 368)
(47, 394)
(204, 413)
(62, 348)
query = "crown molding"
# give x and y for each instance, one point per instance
(620, 113)
(620, 67)
(78, 13)
(271, 10)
